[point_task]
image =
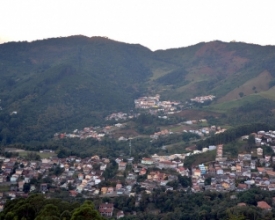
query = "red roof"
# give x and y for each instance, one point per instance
(263, 205)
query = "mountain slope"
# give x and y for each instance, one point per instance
(66, 83)
(214, 67)
(62, 83)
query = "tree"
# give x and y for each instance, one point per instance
(49, 212)
(184, 181)
(241, 94)
(86, 211)
(251, 140)
(66, 215)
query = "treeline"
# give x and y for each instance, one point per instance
(37, 207)
(260, 111)
(207, 205)
(160, 204)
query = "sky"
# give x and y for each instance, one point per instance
(156, 24)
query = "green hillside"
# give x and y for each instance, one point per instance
(214, 68)
(65, 83)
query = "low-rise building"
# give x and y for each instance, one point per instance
(106, 209)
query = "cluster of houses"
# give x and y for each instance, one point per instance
(225, 175)
(160, 133)
(80, 176)
(87, 132)
(85, 176)
(202, 99)
(75, 176)
(149, 102)
(118, 116)
(238, 174)
(205, 131)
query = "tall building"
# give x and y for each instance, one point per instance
(220, 151)
(219, 155)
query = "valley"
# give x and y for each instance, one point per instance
(184, 133)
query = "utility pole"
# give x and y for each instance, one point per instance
(130, 146)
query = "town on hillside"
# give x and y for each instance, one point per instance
(91, 177)
(153, 106)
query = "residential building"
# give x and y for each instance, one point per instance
(106, 209)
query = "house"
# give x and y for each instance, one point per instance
(225, 185)
(104, 190)
(110, 190)
(86, 169)
(147, 161)
(156, 176)
(103, 167)
(119, 214)
(183, 171)
(202, 169)
(155, 157)
(242, 187)
(122, 166)
(261, 170)
(20, 185)
(19, 172)
(253, 164)
(106, 209)
(259, 151)
(3, 178)
(122, 138)
(118, 160)
(80, 176)
(43, 187)
(120, 191)
(118, 186)
(167, 164)
(13, 187)
(197, 172)
(14, 178)
(73, 193)
(219, 171)
(142, 171)
(263, 205)
(32, 188)
(271, 187)
(270, 173)
(131, 177)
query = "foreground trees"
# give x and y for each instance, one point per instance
(39, 208)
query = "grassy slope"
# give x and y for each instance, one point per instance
(259, 83)
(217, 68)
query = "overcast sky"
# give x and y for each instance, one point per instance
(156, 24)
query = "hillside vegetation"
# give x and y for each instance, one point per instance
(66, 83)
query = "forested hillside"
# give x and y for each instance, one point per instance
(66, 83)
(62, 83)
